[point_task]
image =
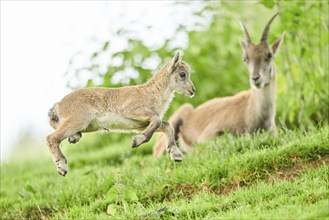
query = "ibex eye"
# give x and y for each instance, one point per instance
(269, 56)
(245, 59)
(182, 74)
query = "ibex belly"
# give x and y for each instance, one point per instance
(115, 122)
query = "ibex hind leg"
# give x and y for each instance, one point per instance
(68, 128)
(53, 141)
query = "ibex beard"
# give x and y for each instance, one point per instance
(127, 109)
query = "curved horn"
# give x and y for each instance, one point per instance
(245, 32)
(263, 40)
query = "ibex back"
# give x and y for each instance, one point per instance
(246, 111)
(134, 109)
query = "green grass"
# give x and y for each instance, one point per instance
(247, 177)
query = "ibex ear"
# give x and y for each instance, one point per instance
(275, 46)
(175, 62)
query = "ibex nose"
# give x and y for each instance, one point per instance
(255, 78)
(191, 90)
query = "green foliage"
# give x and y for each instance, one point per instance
(119, 193)
(268, 3)
(214, 53)
(120, 198)
(247, 177)
(305, 62)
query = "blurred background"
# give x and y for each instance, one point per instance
(50, 48)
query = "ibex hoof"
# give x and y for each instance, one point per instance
(138, 140)
(61, 171)
(74, 138)
(62, 167)
(176, 155)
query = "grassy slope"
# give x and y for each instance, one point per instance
(246, 177)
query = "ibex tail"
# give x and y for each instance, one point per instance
(53, 116)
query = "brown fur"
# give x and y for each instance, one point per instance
(246, 111)
(128, 109)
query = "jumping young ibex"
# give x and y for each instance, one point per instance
(133, 108)
(246, 111)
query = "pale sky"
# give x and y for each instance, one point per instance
(38, 38)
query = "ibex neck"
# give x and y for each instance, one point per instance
(264, 98)
(160, 82)
(159, 87)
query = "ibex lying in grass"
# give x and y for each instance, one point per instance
(133, 108)
(246, 111)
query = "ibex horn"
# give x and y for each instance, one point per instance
(263, 40)
(245, 32)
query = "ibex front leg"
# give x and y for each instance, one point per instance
(172, 148)
(155, 123)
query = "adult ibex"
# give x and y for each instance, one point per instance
(133, 109)
(246, 111)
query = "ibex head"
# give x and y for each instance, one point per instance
(180, 76)
(259, 58)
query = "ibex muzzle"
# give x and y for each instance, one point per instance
(259, 58)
